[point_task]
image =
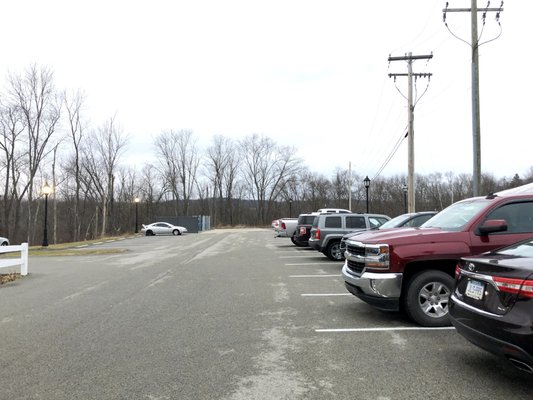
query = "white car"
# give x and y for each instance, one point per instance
(162, 228)
(4, 241)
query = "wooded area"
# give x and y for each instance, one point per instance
(47, 139)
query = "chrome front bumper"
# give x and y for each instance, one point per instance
(380, 285)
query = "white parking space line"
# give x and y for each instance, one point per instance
(296, 251)
(304, 256)
(315, 276)
(325, 294)
(312, 263)
(391, 329)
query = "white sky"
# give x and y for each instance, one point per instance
(306, 73)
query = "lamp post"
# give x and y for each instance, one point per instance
(137, 200)
(404, 188)
(366, 181)
(46, 190)
(290, 208)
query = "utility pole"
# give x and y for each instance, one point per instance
(411, 118)
(350, 186)
(476, 125)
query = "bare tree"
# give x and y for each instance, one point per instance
(315, 190)
(340, 187)
(40, 108)
(74, 107)
(189, 162)
(179, 164)
(266, 169)
(11, 129)
(101, 158)
(169, 166)
(222, 168)
(151, 190)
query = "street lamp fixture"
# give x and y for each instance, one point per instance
(46, 190)
(290, 208)
(404, 188)
(136, 200)
(366, 181)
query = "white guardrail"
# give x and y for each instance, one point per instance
(12, 262)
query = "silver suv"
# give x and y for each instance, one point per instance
(328, 230)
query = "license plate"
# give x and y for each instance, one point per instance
(475, 289)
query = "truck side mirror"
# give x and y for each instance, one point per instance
(493, 225)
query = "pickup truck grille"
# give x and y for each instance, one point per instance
(355, 267)
(354, 260)
(355, 249)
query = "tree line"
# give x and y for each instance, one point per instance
(47, 139)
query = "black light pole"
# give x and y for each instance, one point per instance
(366, 181)
(290, 208)
(404, 188)
(46, 191)
(137, 200)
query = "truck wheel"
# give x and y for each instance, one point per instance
(333, 252)
(427, 298)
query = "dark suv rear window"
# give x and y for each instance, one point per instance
(305, 219)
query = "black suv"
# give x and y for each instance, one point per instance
(303, 229)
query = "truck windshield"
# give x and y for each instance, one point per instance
(454, 217)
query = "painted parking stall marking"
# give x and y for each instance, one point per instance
(309, 263)
(386, 329)
(324, 294)
(304, 256)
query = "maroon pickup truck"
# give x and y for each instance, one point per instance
(412, 269)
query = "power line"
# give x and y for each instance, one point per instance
(391, 154)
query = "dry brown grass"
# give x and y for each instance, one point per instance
(9, 277)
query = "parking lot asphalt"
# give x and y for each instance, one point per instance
(224, 314)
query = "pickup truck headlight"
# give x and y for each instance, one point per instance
(377, 256)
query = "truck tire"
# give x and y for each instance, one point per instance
(333, 252)
(427, 298)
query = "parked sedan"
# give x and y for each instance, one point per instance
(4, 241)
(492, 303)
(162, 228)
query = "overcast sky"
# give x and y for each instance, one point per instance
(306, 73)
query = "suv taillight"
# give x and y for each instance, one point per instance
(317, 234)
(283, 226)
